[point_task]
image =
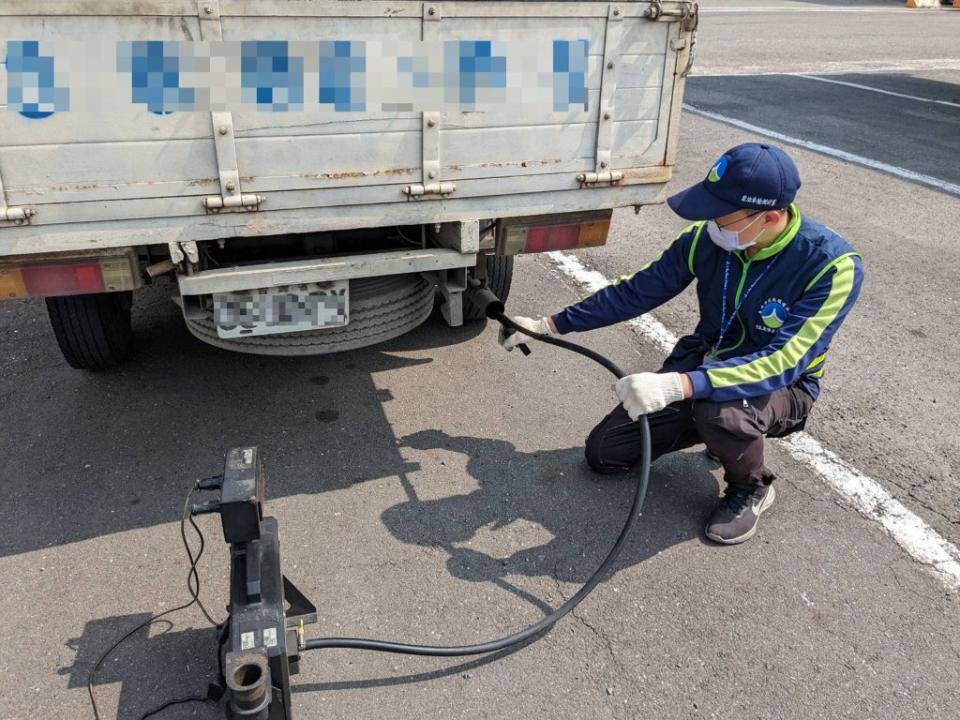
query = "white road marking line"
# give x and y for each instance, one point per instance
(858, 86)
(865, 494)
(833, 67)
(899, 172)
(912, 534)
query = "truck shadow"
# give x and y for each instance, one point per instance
(88, 455)
(555, 491)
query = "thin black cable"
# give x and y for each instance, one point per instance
(550, 620)
(195, 589)
(171, 703)
(192, 587)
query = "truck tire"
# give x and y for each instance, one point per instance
(93, 331)
(381, 308)
(499, 278)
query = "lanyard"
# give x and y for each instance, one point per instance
(725, 323)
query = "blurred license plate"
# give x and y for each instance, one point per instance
(284, 309)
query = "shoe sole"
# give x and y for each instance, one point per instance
(767, 502)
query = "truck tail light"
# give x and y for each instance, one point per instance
(555, 232)
(29, 277)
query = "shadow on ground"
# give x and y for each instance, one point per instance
(154, 665)
(137, 439)
(91, 454)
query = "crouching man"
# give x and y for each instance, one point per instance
(773, 288)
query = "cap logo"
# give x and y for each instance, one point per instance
(717, 171)
(754, 200)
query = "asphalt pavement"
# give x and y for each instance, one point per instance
(434, 490)
(448, 516)
(894, 118)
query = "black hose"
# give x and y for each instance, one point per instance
(565, 344)
(496, 312)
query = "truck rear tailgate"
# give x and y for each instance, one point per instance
(117, 172)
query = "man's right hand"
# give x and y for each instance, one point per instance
(509, 339)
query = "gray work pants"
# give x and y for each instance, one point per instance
(733, 431)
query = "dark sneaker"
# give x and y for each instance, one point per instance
(735, 518)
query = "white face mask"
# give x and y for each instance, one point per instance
(729, 240)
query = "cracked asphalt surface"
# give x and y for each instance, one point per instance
(460, 513)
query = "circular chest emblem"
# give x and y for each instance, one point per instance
(717, 171)
(773, 314)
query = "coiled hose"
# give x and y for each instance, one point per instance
(494, 309)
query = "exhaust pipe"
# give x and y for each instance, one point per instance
(490, 305)
(481, 298)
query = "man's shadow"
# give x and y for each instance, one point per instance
(553, 489)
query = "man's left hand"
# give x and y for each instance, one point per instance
(645, 393)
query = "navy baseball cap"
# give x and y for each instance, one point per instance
(751, 176)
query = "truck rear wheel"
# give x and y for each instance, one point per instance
(94, 331)
(499, 269)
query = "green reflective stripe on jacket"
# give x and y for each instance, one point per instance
(693, 245)
(816, 361)
(797, 346)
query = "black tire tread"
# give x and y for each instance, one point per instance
(93, 331)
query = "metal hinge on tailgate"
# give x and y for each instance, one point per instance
(608, 177)
(15, 215)
(431, 184)
(655, 11)
(231, 197)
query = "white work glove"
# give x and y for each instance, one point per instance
(645, 393)
(509, 339)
